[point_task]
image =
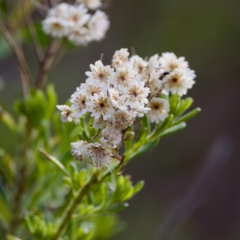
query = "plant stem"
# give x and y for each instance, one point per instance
(47, 63)
(25, 73)
(32, 31)
(73, 205)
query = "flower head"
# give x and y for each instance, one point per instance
(170, 62)
(111, 137)
(178, 82)
(91, 4)
(159, 109)
(120, 58)
(67, 114)
(98, 25)
(99, 155)
(101, 107)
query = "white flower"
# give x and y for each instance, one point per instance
(60, 11)
(154, 70)
(78, 151)
(99, 123)
(103, 74)
(98, 25)
(91, 89)
(120, 58)
(138, 63)
(155, 85)
(159, 110)
(79, 102)
(101, 107)
(91, 4)
(178, 81)
(77, 16)
(136, 94)
(170, 62)
(79, 35)
(116, 100)
(111, 137)
(56, 27)
(99, 155)
(124, 76)
(67, 114)
(122, 119)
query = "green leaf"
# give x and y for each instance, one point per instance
(118, 207)
(5, 212)
(146, 123)
(11, 237)
(8, 120)
(184, 106)
(55, 161)
(174, 103)
(141, 150)
(174, 129)
(52, 101)
(138, 187)
(162, 127)
(187, 116)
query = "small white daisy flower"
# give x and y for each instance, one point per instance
(56, 27)
(159, 110)
(137, 95)
(120, 58)
(99, 72)
(138, 64)
(91, 4)
(178, 82)
(122, 119)
(99, 123)
(60, 11)
(101, 106)
(170, 62)
(124, 76)
(116, 100)
(79, 102)
(98, 25)
(78, 150)
(99, 155)
(79, 36)
(67, 114)
(91, 89)
(111, 137)
(77, 16)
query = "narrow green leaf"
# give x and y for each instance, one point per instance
(184, 106)
(187, 116)
(52, 101)
(146, 123)
(174, 102)
(173, 129)
(8, 120)
(138, 187)
(118, 207)
(11, 237)
(166, 124)
(54, 161)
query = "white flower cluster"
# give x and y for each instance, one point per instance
(91, 4)
(116, 95)
(75, 23)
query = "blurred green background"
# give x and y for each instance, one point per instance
(207, 33)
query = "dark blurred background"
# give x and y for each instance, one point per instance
(193, 177)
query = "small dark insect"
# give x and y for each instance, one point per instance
(163, 75)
